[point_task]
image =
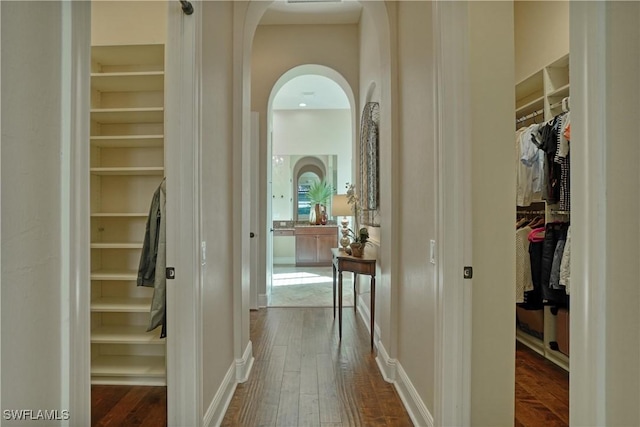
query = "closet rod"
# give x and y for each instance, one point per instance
(187, 7)
(529, 116)
(564, 104)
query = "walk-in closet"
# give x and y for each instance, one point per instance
(543, 234)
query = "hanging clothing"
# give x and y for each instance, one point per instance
(524, 282)
(151, 270)
(565, 265)
(562, 158)
(553, 233)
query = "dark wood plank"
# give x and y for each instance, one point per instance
(116, 405)
(339, 381)
(541, 391)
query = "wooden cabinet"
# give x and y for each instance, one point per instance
(127, 165)
(313, 245)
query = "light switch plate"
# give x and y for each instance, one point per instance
(432, 251)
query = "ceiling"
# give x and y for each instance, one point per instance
(317, 92)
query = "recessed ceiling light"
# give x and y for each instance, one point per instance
(302, 104)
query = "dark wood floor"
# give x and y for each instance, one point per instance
(303, 376)
(123, 405)
(542, 391)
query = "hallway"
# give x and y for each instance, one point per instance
(304, 376)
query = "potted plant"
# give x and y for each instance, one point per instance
(318, 194)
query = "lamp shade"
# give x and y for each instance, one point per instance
(340, 206)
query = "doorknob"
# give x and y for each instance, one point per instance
(252, 235)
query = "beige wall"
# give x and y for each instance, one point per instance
(125, 22)
(279, 48)
(541, 34)
(217, 196)
(493, 214)
(417, 287)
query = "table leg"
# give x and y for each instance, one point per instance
(373, 308)
(334, 291)
(355, 293)
(340, 304)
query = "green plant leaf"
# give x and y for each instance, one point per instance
(320, 192)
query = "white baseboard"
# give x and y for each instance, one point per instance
(218, 406)
(365, 315)
(386, 364)
(244, 365)
(414, 405)
(262, 300)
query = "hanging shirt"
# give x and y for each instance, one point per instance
(565, 265)
(524, 281)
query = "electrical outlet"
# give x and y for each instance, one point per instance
(432, 251)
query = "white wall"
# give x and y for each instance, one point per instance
(32, 143)
(316, 132)
(417, 287)
(493, 213)
(217, 196)
(541, 34)
(124, 22)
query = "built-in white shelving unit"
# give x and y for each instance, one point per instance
(127, 165)
(543, 92)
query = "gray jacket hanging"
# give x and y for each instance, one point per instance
(153, 259)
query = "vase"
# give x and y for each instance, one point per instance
(357, 249)
(318, 214)
(312, 216)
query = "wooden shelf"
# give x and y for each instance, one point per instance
(125, 335)
(116, 245)
(114, 275)
(119, 215)
(128, 82)
(121, 305)
(530, 107)
(561, 92)
(129, 366)
(127, 141)
(128, 115)
(139, 54)
(155, 170)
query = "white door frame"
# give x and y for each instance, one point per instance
(182, 168)
(452, 133)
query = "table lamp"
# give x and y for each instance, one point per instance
(340, 207)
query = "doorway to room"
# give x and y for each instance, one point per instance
(311, 131)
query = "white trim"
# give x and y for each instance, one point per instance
(418, 411)
(182, 149)
(220, 402)
(75, 389)
(263, 300)
(588, 35)
(365, 313)
(453, 330)
(386, 364)
(244, 364)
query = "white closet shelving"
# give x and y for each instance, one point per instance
(542, 93)
(127, 165)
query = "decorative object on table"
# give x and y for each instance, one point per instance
(318, 194)
(361, 237)
(369, 163)
(340, 207)
(323, 216)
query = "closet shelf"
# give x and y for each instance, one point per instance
(127, 141)
(119, 275)
(530, 107)
(128, 81)
(119, 214)
(132, 366)
(140, 170)
(119, 55)
(125, 335)
(128, 115)
(116, 245)
(560, 92)
(121, 305)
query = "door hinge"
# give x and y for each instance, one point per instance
(171, 273)
(468, 272)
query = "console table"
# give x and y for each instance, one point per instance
(357, 265)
